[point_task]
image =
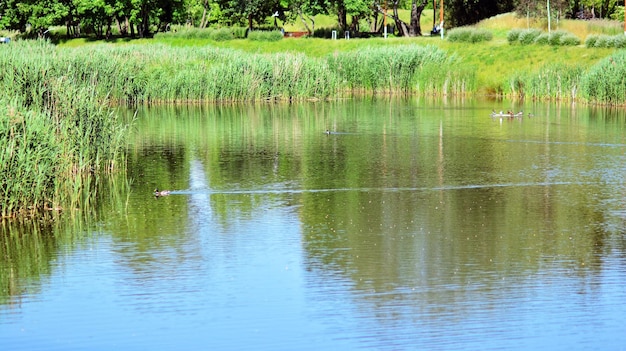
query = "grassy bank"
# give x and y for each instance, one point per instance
(56, 132)
(155, 73)
(191, 70)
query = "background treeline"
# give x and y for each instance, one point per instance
(142, 18)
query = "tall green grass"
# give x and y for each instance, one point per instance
(159, 73)
(605, 82)
(552, 81)
(405, 69)
(56, 130)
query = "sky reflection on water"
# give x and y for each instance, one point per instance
(423, 228)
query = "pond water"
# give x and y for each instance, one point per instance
(415, 224)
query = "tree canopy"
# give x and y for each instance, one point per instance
(143, 17)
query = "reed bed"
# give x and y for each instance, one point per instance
(56, 131)
(551, 82)
(164, 74)
(404, 69)
(605, 82)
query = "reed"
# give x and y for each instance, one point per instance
(552, 82)
(56, 130)
(604, 82)
(405, 69)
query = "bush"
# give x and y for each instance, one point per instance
(528, 36)
(222, 34)
(603, 41)
(542, 39)
(513, 35)
(265, 36)
(590, 42)
(555, 37)
(619, 41)
(469, 35)
(569, 40)
(460, 35)
(239, 32)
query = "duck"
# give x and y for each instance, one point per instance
(327, 132)
(158, 193)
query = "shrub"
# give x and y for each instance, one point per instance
(265, 36)
(542, 39)
(460, 35)
(590, 42)
(513, 35)
(239, 32)
(569, 40)
(479, 35)
(222, 34)
(528, 36)
(603, 41)
(469, 35)
(619, 41)
(555, 37)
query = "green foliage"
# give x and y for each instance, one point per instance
(552, 81)
(469, 35)
(590, 41)
(56, 130)
(542, 39)
(222, 34)
(422, 69)
(258, 35)
(554, 38)
(535, 36)
(513, 35)
(569, 40)
(606, 41)
(605, 82)
(239, 32)
(528, 36)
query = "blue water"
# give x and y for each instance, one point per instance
(433, 228)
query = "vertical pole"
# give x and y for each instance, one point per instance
(385, 19)
(441, 13)
(441, 18)
(435, 14)
(548, 6)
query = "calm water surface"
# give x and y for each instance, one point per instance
(414, 225)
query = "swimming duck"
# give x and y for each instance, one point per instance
(158, 193)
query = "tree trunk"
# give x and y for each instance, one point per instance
(306, 25)
(415, 28)
(205, 6)
(342, 17)
(403, 30)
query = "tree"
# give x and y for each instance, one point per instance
(95, 14)
(305, 10)
(39, 15)
(414, 27)
(466, 12)
(248, 11)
